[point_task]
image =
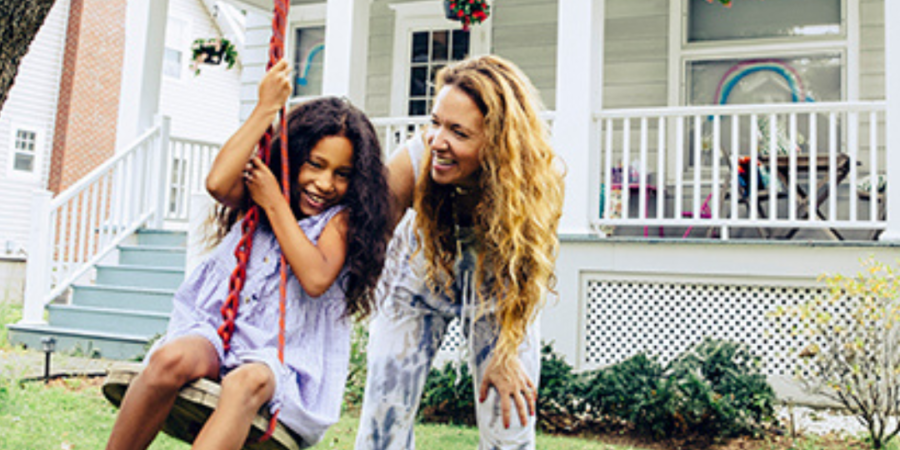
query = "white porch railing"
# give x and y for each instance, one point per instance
(77, 228)
(681, 165)
(188, 164)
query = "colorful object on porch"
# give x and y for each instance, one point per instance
(727, 3)
(190, 423)
(212, 51)
(467, 11)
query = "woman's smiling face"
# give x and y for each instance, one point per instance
(456, 137)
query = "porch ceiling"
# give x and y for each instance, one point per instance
(265, 5)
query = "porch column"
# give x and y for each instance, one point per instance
(892, 117)
(346, 49)
(145, 40)
(579, 82)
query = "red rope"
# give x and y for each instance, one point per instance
(242, 251)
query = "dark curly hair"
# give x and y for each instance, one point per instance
(366, 200)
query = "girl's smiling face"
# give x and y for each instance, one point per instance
(456, 137)
(325, 176)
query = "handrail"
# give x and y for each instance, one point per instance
(95, 174)
(84, 223)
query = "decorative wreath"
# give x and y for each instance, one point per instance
(468, 11)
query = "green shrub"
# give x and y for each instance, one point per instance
(448, 397)
(713, 388)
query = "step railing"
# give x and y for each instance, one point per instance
(188, 164)
(74, 230)
(690, 166)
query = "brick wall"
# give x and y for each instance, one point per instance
(85, 133)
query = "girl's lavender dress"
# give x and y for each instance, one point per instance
(310, 383)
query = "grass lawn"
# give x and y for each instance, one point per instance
(72, 414)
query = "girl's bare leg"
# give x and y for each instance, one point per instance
(152, 393)
(244, 391)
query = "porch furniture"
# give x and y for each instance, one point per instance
(823, 166)
(616, 210)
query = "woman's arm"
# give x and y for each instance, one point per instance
(506, 374)
(316, 266)
(224, 181)
(401, 182)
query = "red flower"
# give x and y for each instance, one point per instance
(460, 13)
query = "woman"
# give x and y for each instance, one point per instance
(480, 245)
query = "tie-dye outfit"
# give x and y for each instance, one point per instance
(310, 383)
(406, 333)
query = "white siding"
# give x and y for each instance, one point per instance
(636, 51)
(31, 102)
(256, 53)
(204, 107)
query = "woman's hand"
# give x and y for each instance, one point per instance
(275, 88)
(511, 383)
(261, 183)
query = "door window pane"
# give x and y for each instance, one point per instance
(439, 46)
(460, 45)
(309, 57)
(430, 51)
(420, 47)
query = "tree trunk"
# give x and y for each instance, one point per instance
(20, 21)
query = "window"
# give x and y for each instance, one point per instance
(27, 147)
(309, 60)
(762, 52)
(790, 51)
(430, 51)
(177, 43)
(424, 42)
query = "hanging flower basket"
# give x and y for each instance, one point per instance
(212, 51)
(467, 11)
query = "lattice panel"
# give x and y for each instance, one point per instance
(663, 319)
(453, 338)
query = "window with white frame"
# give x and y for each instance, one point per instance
(27, 146)
(306, 49)
(309, 60)
(790, 51)
(424, 42)
(763, 52)
(177, 43)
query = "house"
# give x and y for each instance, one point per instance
(61, 119)
(686, 98)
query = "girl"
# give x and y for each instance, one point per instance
(338, 193)
(480, 246)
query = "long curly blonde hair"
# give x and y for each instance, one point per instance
(521, 198)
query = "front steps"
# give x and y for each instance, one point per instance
(126, 308)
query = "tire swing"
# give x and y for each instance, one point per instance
(197, 401)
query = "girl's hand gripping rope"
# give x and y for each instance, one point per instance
(263, 187)
(275, 88)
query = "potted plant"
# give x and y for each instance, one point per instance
(212, 51)
(467, 11)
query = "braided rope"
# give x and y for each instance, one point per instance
(238, 277)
